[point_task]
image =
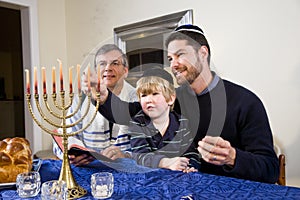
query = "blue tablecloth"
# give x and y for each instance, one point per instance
(164, 184)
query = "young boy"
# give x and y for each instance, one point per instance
(159, 137)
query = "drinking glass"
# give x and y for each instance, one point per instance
(102, 185)
(28, 184)
(54, 190)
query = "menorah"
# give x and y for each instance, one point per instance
(61, 113)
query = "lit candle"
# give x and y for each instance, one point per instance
(28, 186)
(35, 81)
(88, 78)
(70, 79)
(53, 80)
(61, 76)
(99, 77)
(27, 81)
(44, 80)
(101, 191)
(78, 79)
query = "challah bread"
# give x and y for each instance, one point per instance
(15, 158)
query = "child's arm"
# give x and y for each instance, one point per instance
(141, 146)
(189, 147)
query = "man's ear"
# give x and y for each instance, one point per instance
(203, 53)
(125, 72)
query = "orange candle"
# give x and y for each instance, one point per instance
(70, 79)
(27, 81)
(61, 76)
(44, 80)
(53, 80)
(89, 81)
(35, 81)
(78, 79)
(99, 77)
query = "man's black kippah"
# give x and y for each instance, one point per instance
(189, 27)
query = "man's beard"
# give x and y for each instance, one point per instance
(192, 73)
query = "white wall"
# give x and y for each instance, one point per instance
(53, 46)
(254, 43)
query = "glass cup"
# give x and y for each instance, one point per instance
(102, 185)
(28, 184)
(54, 190)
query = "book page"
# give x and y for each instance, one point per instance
(72, 142)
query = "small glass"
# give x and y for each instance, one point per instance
(54, 190)
(102, 185)
(28, 184)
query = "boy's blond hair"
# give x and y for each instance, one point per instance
(150, 84)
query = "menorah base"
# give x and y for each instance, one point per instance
(76, 192)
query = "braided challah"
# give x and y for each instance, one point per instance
(15, 158)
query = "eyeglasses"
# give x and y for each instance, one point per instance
(115, 63)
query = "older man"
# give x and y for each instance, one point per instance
(107, 138)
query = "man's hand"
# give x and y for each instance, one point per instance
(216, 150)
(81, 160)
(113, 152)
(93, 85)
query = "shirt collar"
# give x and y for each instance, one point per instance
(212, 84)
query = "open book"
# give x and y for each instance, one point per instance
(76, 147)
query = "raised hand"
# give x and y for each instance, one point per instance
(93, 85)
(84, 80)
